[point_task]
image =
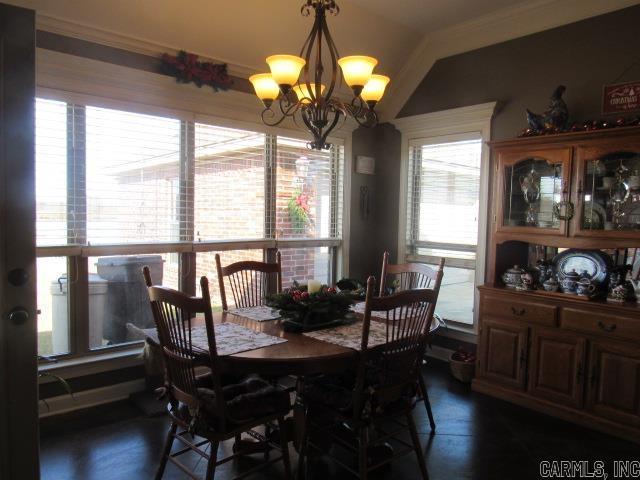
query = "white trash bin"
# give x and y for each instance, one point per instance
(60, 312)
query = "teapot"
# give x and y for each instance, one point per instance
(512, 278)
(569, 283)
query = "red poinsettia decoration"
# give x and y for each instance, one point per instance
(302, 200)
(186, 68)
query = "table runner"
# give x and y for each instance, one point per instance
(350, 335)
(230, 338)
(260, 313)
(359, 308)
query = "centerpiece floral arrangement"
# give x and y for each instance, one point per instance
(311, 307)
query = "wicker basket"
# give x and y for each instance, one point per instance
(462, 371)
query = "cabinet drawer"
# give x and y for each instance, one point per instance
(599, 323)
(515, 309)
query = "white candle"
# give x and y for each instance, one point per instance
(313, 286)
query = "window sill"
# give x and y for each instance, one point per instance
(459, 331)
(93, 364)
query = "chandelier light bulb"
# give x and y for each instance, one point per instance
(374, 89)
(357, 70)
(266, 87)
(285, 70)
(303, 94)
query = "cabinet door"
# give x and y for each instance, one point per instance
(557, 366)
(529, 186)
(608, 189)
(614, 382)
(503, 353)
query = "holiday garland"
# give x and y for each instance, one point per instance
(186, 68)
(587, 126)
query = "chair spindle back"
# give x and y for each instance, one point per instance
(409, 276)
(393, 365)
(249, 281)
(173, 312)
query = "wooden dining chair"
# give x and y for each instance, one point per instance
(382, 390)
(202, 405)
(413, 276)
(249, 281)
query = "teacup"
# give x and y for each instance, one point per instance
(585, 288)
(569, 285)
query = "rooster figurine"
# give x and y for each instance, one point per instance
(554, 118)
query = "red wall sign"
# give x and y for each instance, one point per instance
(621, 98)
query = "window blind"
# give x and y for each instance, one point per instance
(444, 195)
(230, 170)
(308, 190)
(51, 172)
(132, 177)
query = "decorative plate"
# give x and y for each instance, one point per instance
(595, 262)
(594, 215)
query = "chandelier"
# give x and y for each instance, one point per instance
(297, 87)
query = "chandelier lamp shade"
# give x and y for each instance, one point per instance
(301, 88)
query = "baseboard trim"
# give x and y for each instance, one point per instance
(440, 353)
(89, 398)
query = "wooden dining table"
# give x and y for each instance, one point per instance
(300, 355)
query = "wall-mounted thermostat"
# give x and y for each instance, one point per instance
(366, 165)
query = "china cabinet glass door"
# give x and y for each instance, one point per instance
(535, 193)
(608, 193)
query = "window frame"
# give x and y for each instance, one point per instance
(457, 124)
(77, 254)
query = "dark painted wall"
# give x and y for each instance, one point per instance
(523, 72)
(379, 232)
(519, 74)
(362, 230)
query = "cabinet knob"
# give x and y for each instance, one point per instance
(607, 328)
(518, 312)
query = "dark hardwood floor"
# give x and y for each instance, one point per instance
(477, 437)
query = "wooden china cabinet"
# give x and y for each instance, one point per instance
(559, 353)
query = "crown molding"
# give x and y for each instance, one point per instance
(460, 119)
(506, 24)
(113, 39)
(125, 42)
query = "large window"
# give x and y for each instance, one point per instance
(117, 190)
(133, 175)
(443, 212)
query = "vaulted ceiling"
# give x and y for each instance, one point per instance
(424, 16)
(405, 35)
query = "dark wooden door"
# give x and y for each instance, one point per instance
(503, 357)
(18, 338)
(614, 382)
(557, 366)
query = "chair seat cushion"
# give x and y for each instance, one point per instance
(334, 391)
(337, 392)
(245, 401)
